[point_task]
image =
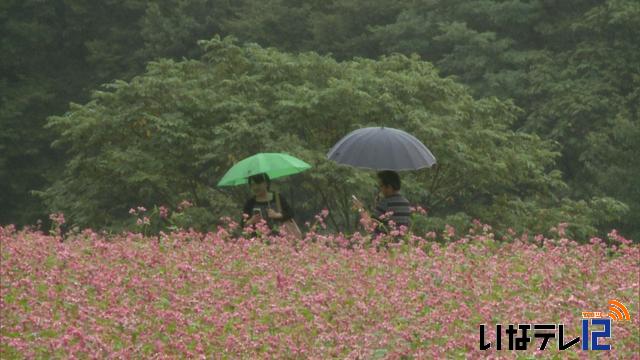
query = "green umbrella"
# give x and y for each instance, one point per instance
(273, 164)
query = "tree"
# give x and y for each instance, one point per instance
(168, 134)
(56, 52)
(339, 28)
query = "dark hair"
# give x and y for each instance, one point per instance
(390, 178)
(259, 179)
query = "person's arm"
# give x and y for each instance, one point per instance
(380, 209)
(285, 213)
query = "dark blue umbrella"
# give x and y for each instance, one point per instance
(382, 148)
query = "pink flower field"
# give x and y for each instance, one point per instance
(190, 295)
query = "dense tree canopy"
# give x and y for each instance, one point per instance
(572, 66)
(570, 69)
(58, 51)
(170, 133)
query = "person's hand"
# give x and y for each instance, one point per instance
(254, 219)
(273, 214)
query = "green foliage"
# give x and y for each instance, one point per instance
(570, 69)
(55, 52)
(159, 219)
(342, 28)
(571, 66)
(171, 133)
(28, 85)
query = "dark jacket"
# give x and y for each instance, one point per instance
(252, 205)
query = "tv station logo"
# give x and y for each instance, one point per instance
(596, 329)
(617, 312)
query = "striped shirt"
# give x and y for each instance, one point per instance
(398, 205)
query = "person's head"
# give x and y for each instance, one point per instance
(259, 183)
(389, 182)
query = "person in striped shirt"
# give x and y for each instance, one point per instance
(391, 206)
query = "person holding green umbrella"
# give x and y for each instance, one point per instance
(263, 205)
(257, 171)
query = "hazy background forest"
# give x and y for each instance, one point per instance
(530, 106)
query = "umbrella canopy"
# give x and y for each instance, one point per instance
(381, 148)
(273, 164)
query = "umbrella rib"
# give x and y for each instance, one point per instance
(421, 149)
(284, 165)
(369, 134)
(411, 143)
(345, 141)
(381, 148)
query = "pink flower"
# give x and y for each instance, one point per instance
(164, 212)
(57, 218)
(449, 230)
(419, 209)
(614, 236)
(386, 215)
(280, 281)
(368, 224)
(190, 294)
(595, 241)
(144, 221)
(562, 228)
